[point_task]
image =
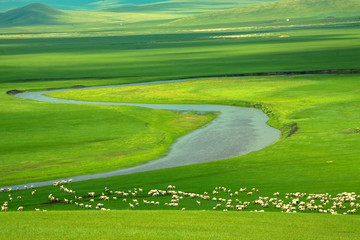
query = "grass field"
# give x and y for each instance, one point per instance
(178, 55)
(177, 225)
(311, 160)
(45, 141)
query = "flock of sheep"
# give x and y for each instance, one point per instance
(219, 199)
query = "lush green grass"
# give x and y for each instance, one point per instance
(45, 141)
(169, 56)
(322, 156)
(176, 225)
(322, 107)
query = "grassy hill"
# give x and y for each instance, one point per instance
(74, 5)
(32, 14)
(188, 6)
(279, 11)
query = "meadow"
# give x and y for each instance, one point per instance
(178, 225)
(317, 114)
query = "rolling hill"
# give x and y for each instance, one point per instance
(281, 11)
(186, 6)
(74, 5)
(32, 14)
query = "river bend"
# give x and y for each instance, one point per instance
(235, 132)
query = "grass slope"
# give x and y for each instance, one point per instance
(32, 14)
(175, 225)
(277, 12)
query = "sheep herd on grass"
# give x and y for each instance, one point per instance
(218, 199)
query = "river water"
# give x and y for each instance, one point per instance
(235, 132)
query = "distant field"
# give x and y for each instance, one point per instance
(179, 55)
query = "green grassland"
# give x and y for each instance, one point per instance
(177, 225)
(178, 55)
(321, 157)
(46, 141)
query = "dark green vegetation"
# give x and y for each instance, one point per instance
(322, 156)
(181, 55)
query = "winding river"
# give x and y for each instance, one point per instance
(236, 131)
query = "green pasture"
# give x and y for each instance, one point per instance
(321, 157)
(179, 55)
(176, 225)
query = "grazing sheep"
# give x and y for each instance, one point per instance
(91, 194)
(20, 208)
